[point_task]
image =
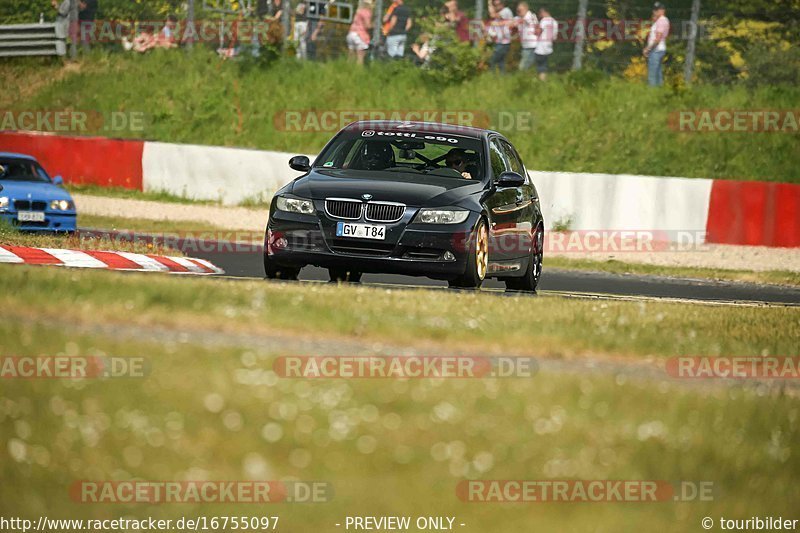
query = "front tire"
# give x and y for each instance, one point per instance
(530, 281)
(478, 260)
(339, 275)
(274, 271)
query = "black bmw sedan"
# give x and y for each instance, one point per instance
(447, 202)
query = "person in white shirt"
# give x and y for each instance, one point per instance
(501, 21)
(527, 23)
(656, 47)
(546, 32)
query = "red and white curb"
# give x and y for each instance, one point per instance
(107, 260)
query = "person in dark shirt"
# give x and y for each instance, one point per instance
(399, 21)
(87, 12)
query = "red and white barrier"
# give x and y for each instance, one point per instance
(725, 211)
(106, 260)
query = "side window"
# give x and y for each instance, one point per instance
(513, 159)
(497, 159)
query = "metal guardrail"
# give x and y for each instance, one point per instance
(20, 40)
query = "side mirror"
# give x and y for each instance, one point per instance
(508, 180)
(300, 163)
(58, 180)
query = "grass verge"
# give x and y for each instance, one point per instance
(472, 321)
(130, 194)
(144, 225)
(388, 447)
(771, 277)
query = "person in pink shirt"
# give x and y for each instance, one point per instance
(656, 47)
(358, 38)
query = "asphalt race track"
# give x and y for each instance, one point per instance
(565, 282)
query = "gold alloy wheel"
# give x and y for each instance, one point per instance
(482, 252)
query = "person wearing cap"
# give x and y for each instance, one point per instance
(656, 47)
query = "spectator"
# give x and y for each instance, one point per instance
(546, 33)
(86, 16)
(501, 20)
(301, 32)
(269, 9)
(457, 19)
(527, 24)
(358, 37)
(145, 41)
(400, 22)
(312, 37)
(168, 37)
(423, 49)
(62, 17)
(656, 47)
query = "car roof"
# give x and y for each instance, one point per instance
(17, 156)
(429, 127)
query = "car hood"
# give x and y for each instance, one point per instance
(414, 190)
(19, 190)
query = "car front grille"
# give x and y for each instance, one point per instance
(344, 209)
(27, 205)
(374, 249)
(385, 212)
(347, 209)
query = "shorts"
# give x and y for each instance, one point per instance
(541, 63)
(356, 43)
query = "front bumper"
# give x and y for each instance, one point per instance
(434, 251)
(53, 222)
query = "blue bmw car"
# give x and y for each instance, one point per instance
(30, 199)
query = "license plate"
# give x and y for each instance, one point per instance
(361, 231)
(30, 216)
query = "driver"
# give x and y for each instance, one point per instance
(377, 156)
(457, 160)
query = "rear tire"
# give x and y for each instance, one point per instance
(478, 260)
(273, 271)
(339, 275)
(530, 281)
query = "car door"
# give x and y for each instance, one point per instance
(525, 200)
(501, 207)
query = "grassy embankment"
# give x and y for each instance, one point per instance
(580, 123)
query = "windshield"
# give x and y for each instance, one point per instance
(423, 153)
(12, 169)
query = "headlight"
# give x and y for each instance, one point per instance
(442, 216)
(62, 205)
(3, 203)
(295, 205)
